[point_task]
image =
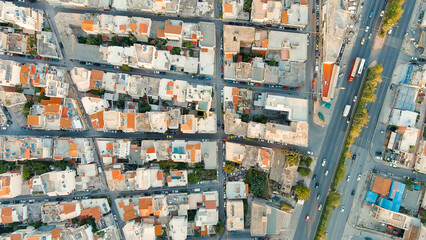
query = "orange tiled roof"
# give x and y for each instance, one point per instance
(68, 208)
(172, 29)
(65, 122)
(235, 91)
(284, 17)
(160, 33)
(130, 120)
(23, 77)
(87, 25)
(6, 215)
(52, 109)
(158, 230)
(187, 126)
(97, 119)
(228, 8)
(143, 28)
(73, 150)
(33, 120)
(145, 207)
(129, 212)
(211, 204)
(132, 26)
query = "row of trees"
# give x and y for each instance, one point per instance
(361, 117)
(333, 200)
(393, 14)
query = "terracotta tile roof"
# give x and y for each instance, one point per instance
(87, 25)
(65, 122)
(235, 91)
(160, 33)
(132, 26)
(56, 234)
(130, 120)
(23, 77)
(143, 28)
(284, 16)
(150, 150)
(235, 99)
(6, 215)
(68, 208)
(158, 230)
(228, 8)
(172, 29)
(95, 212)
(33, 120)
(187, 126)
(129, 212)
(15, 236)
(159, 175)
(123, 27)
(97, 119)
(73, 150)
(145, 207)
(204, 50)
(52, 109)
(211, 204)
(381, 185)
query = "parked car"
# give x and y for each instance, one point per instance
(323, 162)
(353, 192)
(326, 172)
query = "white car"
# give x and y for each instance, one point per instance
(359, 177)
(326, 172)
(348, 178)
(382, 13)
(355, 98)
(343, 209)
(367, 28)
(323, 162)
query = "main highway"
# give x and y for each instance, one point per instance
(335, 135)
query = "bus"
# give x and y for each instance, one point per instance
(354, 69)
(361, 67)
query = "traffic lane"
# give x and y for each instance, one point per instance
(331, 155)
(339, 219)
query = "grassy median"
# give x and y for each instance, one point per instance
(361, 117)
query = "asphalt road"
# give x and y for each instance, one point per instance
(330, 150)
(387, 58)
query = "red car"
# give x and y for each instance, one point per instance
(307, 218)
(257, 84)
(286, 88)
(298, 88)
(223, 139)
(269, 25)
(38, 57)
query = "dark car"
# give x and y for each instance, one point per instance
(31, 57)
(212, 109)
(353, 192)
(193, 76)
(379, 153)
(59, 199)
(200, 77)
(269, 25)
(163, 73)
(82, 62)
(316, 184)
(55, 60)
(314, 177)
(354, 157)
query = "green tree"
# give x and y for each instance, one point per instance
(247, 6)
(292, 160)
(229, 167)
(126, 68)
(27, 108)
(176, 51)
(33, 52)
(192, 178)
(260, 119)
(258, 183)
(304, 171)
(333, 199)
(245, 118)
(393, 14)
(187, 45)
(144, 107)
(32, 41)
(272, 63)
(302, 192)
(42, 97)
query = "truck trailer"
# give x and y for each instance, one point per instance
(346, 110)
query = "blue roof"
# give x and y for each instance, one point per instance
(388, 204)
(371, 197)
(396, 191)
